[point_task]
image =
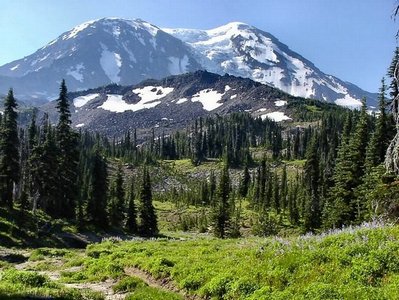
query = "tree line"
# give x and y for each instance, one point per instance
(327, 174)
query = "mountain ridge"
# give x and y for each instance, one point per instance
(114, 50)
(172, 103)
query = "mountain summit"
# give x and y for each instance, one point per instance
(112, 50)
(243, 50)
(100, 52)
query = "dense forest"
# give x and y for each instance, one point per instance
(340, 178)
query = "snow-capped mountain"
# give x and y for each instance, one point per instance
(125, 52)
(243, 50)
(174, 102)
(100, 52)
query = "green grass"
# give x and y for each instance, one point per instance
(357, 264)
(150, 293)
(139, 290)
(16, 284)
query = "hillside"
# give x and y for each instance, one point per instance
(174, 102)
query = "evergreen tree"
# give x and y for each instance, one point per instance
(97, 199)
(312, 213)
(147, 216)
(221, 212)
(344, 207)
(293, 213)
(245, 182)
(392, 154)
(68, 159)
(380, 139)
(117, 199)
(212, 188)
(9, 155)
(44, 174)
(131, 222)
(284, 188)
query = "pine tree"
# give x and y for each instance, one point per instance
(245, 182)
(9, 157)
(380, 139)
(131, 222)
(97, 199)
(344, 207)
(284, 188)
(293, 212)
(117, 199)
(312, 213)
(212, 188)
(392, 154)
(147, 216)
(44, 175)
(221, 212)
(68, 159)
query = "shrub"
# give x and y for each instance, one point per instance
(25, 278)
(128, 284)
(217, 287)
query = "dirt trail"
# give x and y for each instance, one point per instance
(104, 287)
(163, 284)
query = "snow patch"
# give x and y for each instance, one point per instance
(75, 72)
(83, 100)
(349, 101)
(115, 103)
(130, 53)
(276, 116)
(80, 125)
(74, 32)
(280, 103)
(111, 63)
(182, 100)
(14, 68)
(233, 96)
(116, 31)
(150, 93)
(141, 40)
(209, 99)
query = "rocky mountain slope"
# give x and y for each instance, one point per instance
(172, 103)
(125, 52)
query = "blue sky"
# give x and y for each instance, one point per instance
(351, 39)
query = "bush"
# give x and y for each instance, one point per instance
(322, 291)
(217, 287)
(150, 293)
(129, 284)
(25, 278)
(192, 282)
(40, 254)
